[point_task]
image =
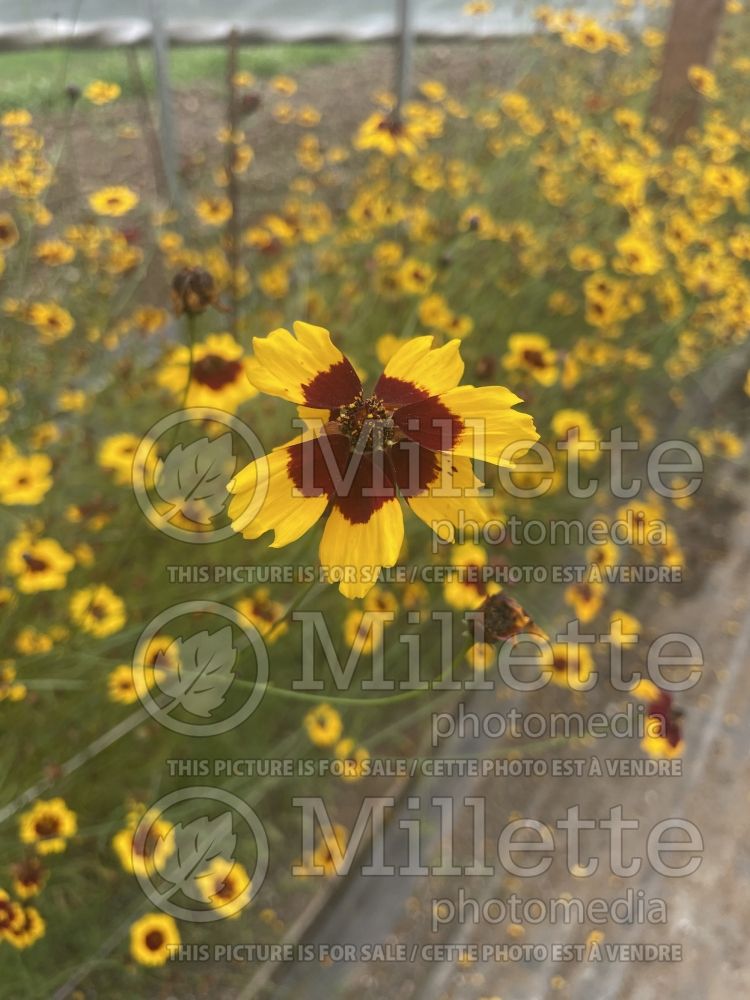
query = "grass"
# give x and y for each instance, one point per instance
(36, 79)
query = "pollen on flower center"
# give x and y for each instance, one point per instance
(353, 419)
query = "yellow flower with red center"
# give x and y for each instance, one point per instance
(586, 599)
(226, 886)
(218, 376)
(48, 825)
(121, 685)
(406, 133)
(10, 688)
(414, 437)
(38, 564)
(97, 610)
(214, 211)
(101, 92)
(323, 725)
(637, 254)
(116, 455)
(353, 757)
(153, 938)
(470, 583)
(575, 427)
(704, 81)
(475, 8)
(569, 664)
(29, 877)
(588, 35)
(51, 320)
(54, 252)
(328, 852)
(264, 613)
(8, 231)
(113, 201)
(532, 353)
(663, 731)
(11, 916)
(24, 479)
(145, 843)
(30, 928)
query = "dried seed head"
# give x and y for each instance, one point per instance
(193, 291)
(501, 617)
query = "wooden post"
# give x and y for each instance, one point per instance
(164, 92)
(233, 191)
(147, 124)
(692, 34)
(404, 49)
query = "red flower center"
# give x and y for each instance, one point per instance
(215, 371)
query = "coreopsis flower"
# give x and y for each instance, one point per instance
(353, 757)
(225, 885)
(29, 876)
(37, 564)
(328, 850)
(121, 685)
(283, 84)
(323, 725)
(663, 733)
(531, 352)
(214, 211)
(569, 664)
(8, 231)
(117, 454)
(470, 583)
(588, 35)
(575, 428)
(24, 479)
(29, 930)
(54, 252)
(142, 847)
(637, 254)
(586, 599)
(97, 610)
(193, 291)
(414, 436)
(113, 201)
(11, 915)
(102, 92)
(264, 613)
(218, 374)
(392, 133)
(475, 8)
(704, 81)
(31, 640)
(48, 825)
(51, 320)
(622, 624)
(10, 688)
(153, 939)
